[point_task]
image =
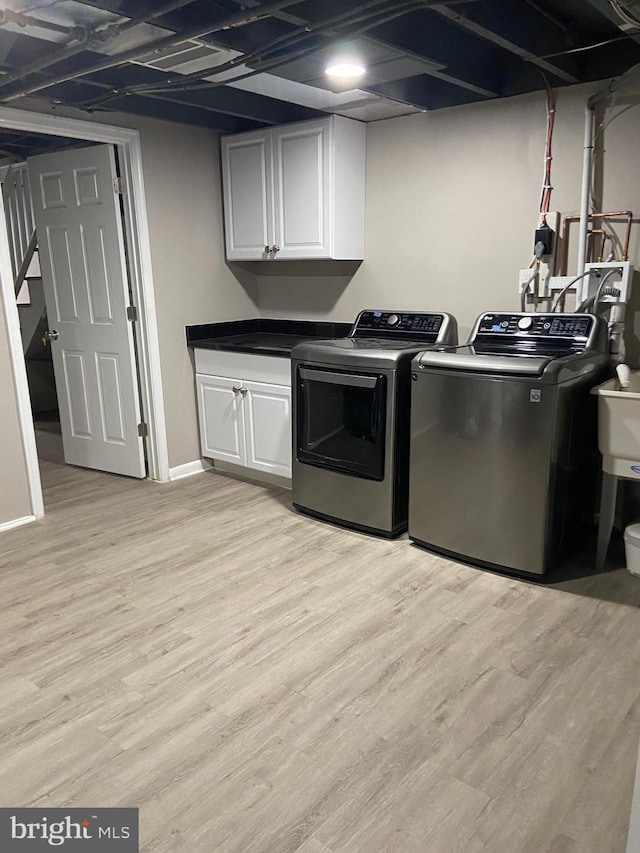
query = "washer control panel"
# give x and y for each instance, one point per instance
(397, 322)
(571, 326)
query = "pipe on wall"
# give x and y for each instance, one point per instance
(587, 160)
(614, 214)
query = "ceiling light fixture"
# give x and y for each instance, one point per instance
(346, 69)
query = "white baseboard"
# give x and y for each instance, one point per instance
(188, 469)
(17, 522)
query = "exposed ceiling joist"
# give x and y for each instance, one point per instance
(606, 9)
(494, 37)
(20, 89)
(238, 64)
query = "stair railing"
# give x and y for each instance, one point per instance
(18, 209)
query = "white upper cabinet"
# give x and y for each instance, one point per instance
(295, 191)
(248, 194)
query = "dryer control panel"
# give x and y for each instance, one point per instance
(575, 327)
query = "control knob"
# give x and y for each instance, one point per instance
(393, 320)
(525, 323)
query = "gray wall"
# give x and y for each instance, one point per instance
(452, 202)
(193, 283)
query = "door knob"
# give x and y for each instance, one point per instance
(50, 336)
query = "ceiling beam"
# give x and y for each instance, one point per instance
(282, 15)
(463, 58)
(506, 43)
(75, 93)
(605, 8)
(238, 103)
(432, 96)
(21, 89)
(453, 76)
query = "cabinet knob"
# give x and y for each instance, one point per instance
(275, 248)
(267, 250)
(237, 389)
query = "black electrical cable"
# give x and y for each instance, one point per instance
(345, 19)
(390, 10)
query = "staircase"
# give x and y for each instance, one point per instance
(23, 245)
(18, 210)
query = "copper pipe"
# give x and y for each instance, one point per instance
(591, 235)
(605, 237)
(575, 217)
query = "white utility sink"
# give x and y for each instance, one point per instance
(619, 427)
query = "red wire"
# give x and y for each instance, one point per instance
(545, 195)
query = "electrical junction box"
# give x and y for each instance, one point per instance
(548, 261)
(545, 236)
(620, 278)
(524, 277)
(618, 275)
(541, 288)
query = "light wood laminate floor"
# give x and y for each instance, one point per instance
(259, 682)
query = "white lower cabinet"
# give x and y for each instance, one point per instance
(245, 421)
(267, 428)
(221, 415)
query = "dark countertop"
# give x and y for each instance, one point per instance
(262, 337)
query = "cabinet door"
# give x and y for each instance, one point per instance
(302, 189)
(268, 427)
(248, 195)
(221, 417)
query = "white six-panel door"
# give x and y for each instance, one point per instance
(82, 258)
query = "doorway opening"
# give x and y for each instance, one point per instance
(59, 208)
(35, 135)
(16, 147)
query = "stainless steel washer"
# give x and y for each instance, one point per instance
(504, 458)
(351, 399)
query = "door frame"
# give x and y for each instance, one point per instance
(136, 227)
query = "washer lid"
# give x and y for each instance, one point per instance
(473, 359)
(353, 353)
(545, 366)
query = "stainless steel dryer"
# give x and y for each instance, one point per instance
(351, 399)
(504, 459)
